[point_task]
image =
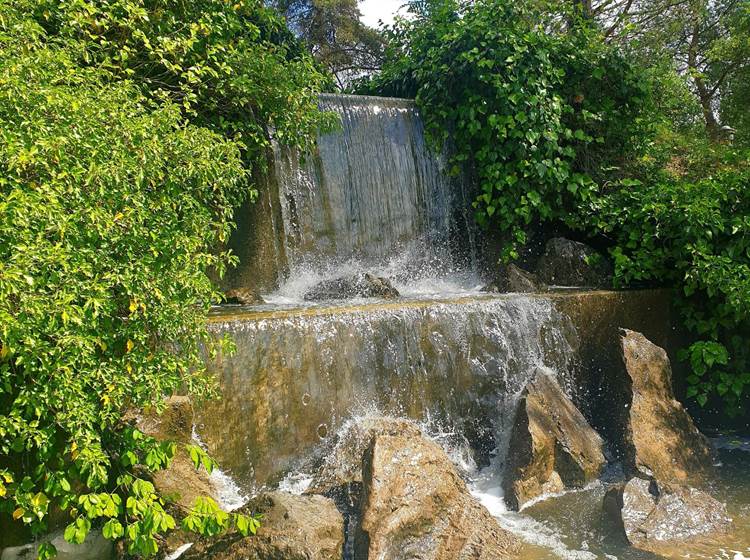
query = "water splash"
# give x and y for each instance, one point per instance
(373, 196)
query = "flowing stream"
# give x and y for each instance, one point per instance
(373, 198)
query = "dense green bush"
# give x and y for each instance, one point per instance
(127, 134)
(695, 236)
(534, 113)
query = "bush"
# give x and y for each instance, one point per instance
(696, 236)
(534, 113)
(127, 135)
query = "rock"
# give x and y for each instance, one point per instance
(570, 263)
(665, 521)
(175, 423)
(554, 447)
(181, 483)
(415, 505)
(292, 528)
(511, 278)
(342, 465)
(360, 285)
(242, 296)
(661, 440)
(95, 547)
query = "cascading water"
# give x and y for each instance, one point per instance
(296, 376)
(373, 198)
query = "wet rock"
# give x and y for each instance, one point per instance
(553, 446)
(665, 520)
(342, 465)
(415, 505)
(661, 440)
(360, 285)
(293, 528)
(242, 296)
(570, 263)
(181, 483)
(511, 278)
(95, 547)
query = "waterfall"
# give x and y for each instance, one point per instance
(371, 196)
(296, 376)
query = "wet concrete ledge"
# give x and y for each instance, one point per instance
(299, 373)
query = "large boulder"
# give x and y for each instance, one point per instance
(360, 285)
(416, 506)
(342, 463)
(570, 263)
(553, 446)
(511, 278)
(661, 440)
(293, 528)
(668, 521)
(95, 547)
(181, 483)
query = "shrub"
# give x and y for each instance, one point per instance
(127, 134)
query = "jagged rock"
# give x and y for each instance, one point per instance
(292, 528)
(661, 440)
(554, 447)
(360, 285)
(570, 263)
(342, 465)
(181, 483)
(665, 521)
(95, 547)
(242, 296)
(415, 505)
(511, 278)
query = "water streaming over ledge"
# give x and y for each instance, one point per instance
(372, 196)
(296, 376)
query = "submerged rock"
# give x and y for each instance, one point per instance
(293, 528)
(360, 285)
(242, 296)
(662, 441)
(553, 446)
(665, 520)
(95, 547)
(511, 278)
(570, 263)
(415, 505)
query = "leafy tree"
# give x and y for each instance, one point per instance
(708, 42)
(128, 130)
(335, 34)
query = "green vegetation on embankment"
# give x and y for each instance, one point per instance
(128, 131)
(600, 116)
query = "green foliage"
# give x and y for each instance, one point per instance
(335, 34)
(233, 67)
(695, 235)
(534, 114)
(127, 134)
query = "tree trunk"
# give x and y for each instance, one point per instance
(584, 8)
(705, 96)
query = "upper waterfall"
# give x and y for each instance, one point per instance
(371, 196)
